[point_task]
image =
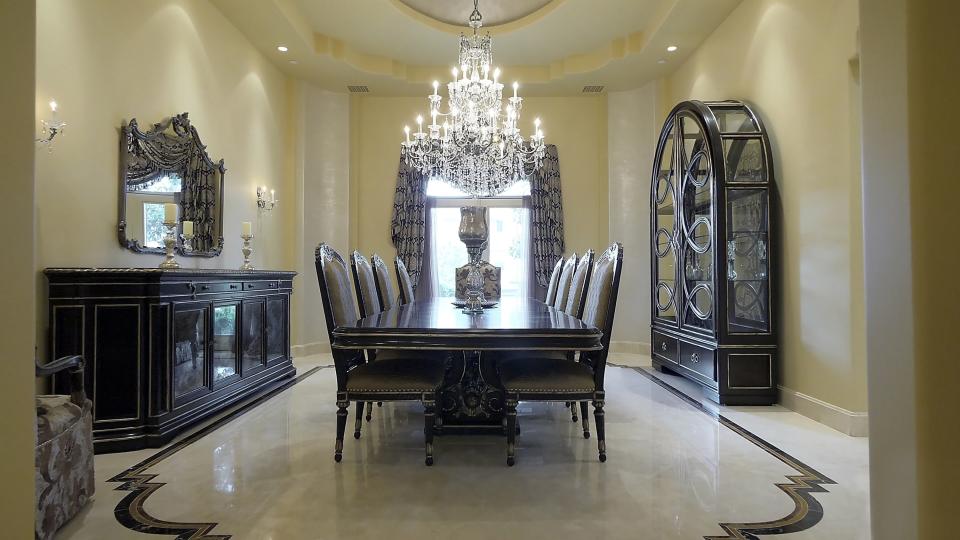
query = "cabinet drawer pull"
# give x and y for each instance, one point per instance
(663, 346)
(249, 285)
(204, 287)
(695, 358)
(233, 285)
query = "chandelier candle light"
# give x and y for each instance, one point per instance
(478, 147)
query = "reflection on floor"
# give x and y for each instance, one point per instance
(675, 470)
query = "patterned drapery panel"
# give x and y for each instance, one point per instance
(547, 216)
(409, 219)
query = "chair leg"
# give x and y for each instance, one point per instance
(358, 423)
(379, 404)
(511, 429)
(369, 410)
(601, 436)
(585, 418)
(573, 411)
(342, 407)
(429, 412)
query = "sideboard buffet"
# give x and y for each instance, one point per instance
(165, 349)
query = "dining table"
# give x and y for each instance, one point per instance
(471, 397)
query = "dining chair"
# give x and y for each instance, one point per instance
(552, 285)
(386, 290)
(405, 282)
(413, 378)
(563, 283)
(576, 299)
(367, 297)
(549, 379)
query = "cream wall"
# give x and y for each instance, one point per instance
(106, 62)
(633, 122)
(17, 63)
(323, 182)
(577, 125)
(795, 60)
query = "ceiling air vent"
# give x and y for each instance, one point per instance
(358, 89)
(592, 89)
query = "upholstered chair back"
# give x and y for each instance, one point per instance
(491, 281)
(554, 279)
(386, 290)
(366, 285)
(404, 281)
(577, 297)
(601, 302)
(563, 284)
(334, 277)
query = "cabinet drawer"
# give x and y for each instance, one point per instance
(193, 288)
(698, 359)
(271, 285)
(665, 347)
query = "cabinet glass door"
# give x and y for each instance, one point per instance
(665, 221)
(696, 225)
(189, 350)
(276, 328)
(252, 338)
(748, 279)
(224, 342)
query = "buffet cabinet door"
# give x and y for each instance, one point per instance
(225, 344)
(190, 373)
(252, 336)
(277, 331)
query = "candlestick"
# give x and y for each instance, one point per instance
(247, 250)
(515, 86)
(436, 87)
(246, 229)
(187, 237)
(170, 212)
(170, 241)
(406, 131)
(188, 227)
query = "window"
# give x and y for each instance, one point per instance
(509, 245)
(153, 228)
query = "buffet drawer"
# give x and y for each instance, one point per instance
(665, 347)
(261, 285)
(193, 288)
(699, 359)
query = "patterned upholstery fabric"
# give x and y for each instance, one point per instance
(554, 279)
(385, 286)
(546, 375)
(599, 293)
(337, 277)
(491, 281)
(397, 375)
(546, 215)
(63, 462)
(578, 285)
(563, 284)
(403, 279)
(366, 285)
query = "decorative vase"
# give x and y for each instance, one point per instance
(474, 233)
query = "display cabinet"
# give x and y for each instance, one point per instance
(165, 349)
(713, 266)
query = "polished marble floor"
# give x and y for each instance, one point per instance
(677, 468)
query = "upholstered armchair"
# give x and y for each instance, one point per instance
(491, 281)
(64, 451)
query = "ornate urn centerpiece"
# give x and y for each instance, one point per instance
(474, 233)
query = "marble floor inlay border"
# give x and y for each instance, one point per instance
(130, 512)
(807, 510)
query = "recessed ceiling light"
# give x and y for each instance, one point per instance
(282, 48)
(671, 48)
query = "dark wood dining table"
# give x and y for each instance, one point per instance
(471, 397)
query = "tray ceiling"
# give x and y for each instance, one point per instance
(554, 47)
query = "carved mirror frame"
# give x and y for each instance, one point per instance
(173, 146)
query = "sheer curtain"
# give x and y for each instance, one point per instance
(427, 288)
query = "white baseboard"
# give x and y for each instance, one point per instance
(307, 349)
(849, 422)
(630, 347)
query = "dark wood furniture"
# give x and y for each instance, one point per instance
(545, 378)
(411, 377)
(471, 397)
(168, 348)
(713, 259)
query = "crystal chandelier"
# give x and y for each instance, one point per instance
(478, 147)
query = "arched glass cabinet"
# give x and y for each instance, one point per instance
(711, 228)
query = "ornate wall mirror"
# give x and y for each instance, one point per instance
(169, 164)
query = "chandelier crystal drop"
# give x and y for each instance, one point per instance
(475, 145)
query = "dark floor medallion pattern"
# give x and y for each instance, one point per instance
(807, 511)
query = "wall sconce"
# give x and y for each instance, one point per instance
(266, 200)
(51, 128)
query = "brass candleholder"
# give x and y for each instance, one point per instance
(169, 245)
(247, 250)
